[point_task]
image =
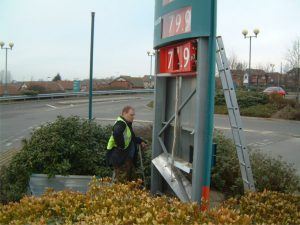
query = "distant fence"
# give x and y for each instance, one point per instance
(72, 94)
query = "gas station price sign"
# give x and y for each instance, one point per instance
(177, 20)
(178, 58)
(165, 2)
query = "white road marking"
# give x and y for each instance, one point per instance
(137, 121)
(262, 143)
(8, 144)
(247, 130)
(51, 106)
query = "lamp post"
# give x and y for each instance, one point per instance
(272, 66)
(151, 54)
(11, 45)
(245, 32)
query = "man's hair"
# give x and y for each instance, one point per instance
(126, 109)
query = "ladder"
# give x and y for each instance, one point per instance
(234, 116)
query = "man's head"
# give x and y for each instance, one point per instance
(128, 113)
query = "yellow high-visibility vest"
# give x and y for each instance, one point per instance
(126, 134)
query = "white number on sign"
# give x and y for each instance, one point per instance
(171, 24)
(170, 53)
(178, 22)
(188, 17)
(186, 56)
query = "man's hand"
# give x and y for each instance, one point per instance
(143, 145)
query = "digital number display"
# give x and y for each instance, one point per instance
(165, 2)
(177, 22)
(178, 58)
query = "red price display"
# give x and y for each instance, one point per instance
(165, 2)
(180, 58)
(177, 22)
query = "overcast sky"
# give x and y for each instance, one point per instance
(53, 36)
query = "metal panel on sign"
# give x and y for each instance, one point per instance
(179, 58)
(178, 20)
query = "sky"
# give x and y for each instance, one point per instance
(53, 36)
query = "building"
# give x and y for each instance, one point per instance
(42, 87)
(148, 81)
(67, 85)
(13, 89)
(127, 82)
(292, 78)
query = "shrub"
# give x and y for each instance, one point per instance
(220, 109)
(264, 111)
(30, 92)
(268, 207)
(245, 98)
(67, 146)
(269, 173)
(130, 204)
(151, 104)
(76, 146)
(288, 112)
(225, 175)
(37, 88)
(273, 173)
(116, 204)
(281, 102)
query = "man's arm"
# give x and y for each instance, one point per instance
(118, 131)
(139, 140)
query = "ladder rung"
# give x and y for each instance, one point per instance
(243, 164)
(228, 89)
(246, 181)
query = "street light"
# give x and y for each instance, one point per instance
(11, 45)
(272, 66)
(151, 54)
(245, 33)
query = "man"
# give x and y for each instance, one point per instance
(122, 146)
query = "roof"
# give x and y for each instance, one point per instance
(293, 71)
(238, 73)
(258, 72)
(49, 86)
(13, 89)
(66, 84)
(147, 78)
(135, 81)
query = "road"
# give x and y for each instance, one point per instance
(277, 137)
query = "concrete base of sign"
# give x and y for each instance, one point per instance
(178, 183)
(40, 182)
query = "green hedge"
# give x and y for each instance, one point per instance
(269, 173)
(76, 146)
(245, 99)
(67, 146)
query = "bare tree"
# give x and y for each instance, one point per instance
(266, 67)
(293, 59)
(235, 63)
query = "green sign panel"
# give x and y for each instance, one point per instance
(76, 85)
(181, 19)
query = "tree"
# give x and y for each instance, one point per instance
(235, 63)
(57, 77)
(293, 59)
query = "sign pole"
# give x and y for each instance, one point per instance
(91, 68)
(204, 113)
